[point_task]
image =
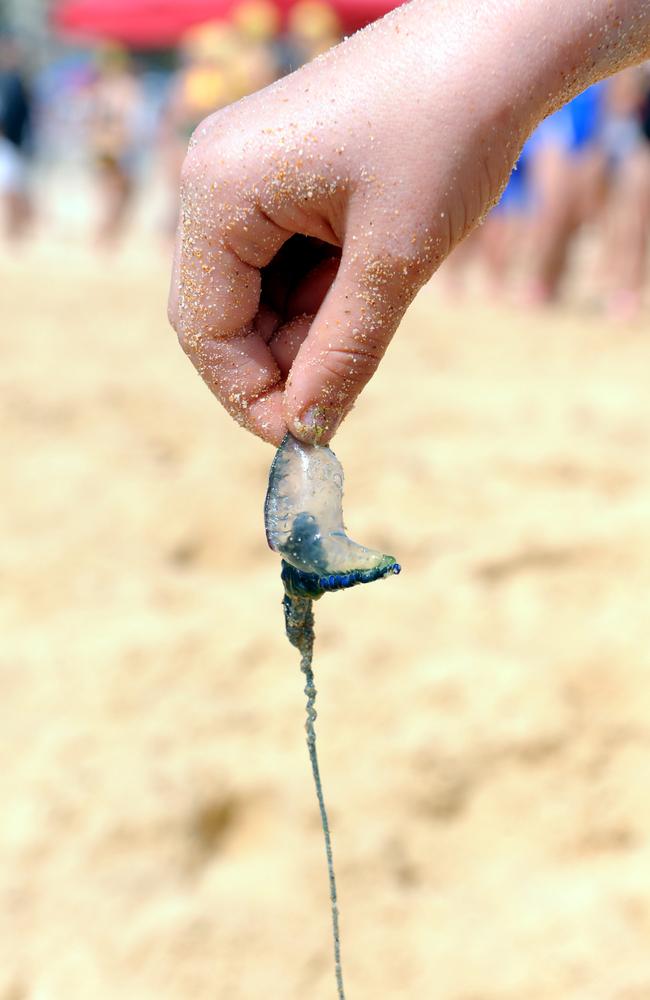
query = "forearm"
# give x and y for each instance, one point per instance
(560, 47)
(528, 57)
(489, 69)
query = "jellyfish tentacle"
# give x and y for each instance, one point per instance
(303, 516)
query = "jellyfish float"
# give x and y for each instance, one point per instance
(303, 516)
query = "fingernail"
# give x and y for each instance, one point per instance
(317, 424)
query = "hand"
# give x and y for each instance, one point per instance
(313, 211)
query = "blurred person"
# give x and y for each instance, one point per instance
(498, 245)
(557, 185)
(205, 81)
(504, 235)
(115, 107)
(568, 184)
(15, 139)
(257, 64)
(313, 27)
(390, 170)
(627, 231)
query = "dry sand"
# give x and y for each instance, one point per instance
(484, 718)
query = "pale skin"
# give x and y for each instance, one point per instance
(382, 155)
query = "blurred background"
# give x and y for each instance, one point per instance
(483, 719)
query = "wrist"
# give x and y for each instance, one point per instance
(521, 59)
(545, 52)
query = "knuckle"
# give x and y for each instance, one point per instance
(353, 363)
(208, 178)
(194, 339)
(393, 276)
(205, 130)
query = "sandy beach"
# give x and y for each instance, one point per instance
(484, 718)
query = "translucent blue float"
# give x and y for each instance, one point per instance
(304, 524)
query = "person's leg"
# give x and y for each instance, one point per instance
(496, 246)
(18, 215)
(13, 191)
(591, 185)
(627, 235)
(115, 197)
(553, 183)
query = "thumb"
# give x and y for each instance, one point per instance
(346, 341)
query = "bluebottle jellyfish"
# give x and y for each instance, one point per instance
(303, 516)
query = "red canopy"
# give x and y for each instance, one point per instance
(357, 14)
(137, 23)
(161, 23)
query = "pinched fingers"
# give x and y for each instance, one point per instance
(348, 337)
(222, 242)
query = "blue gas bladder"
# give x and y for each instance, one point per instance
(303, 516)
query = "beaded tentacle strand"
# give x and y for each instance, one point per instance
(299, 623)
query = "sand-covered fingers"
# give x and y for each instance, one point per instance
(223, 240)
(220, 327)
(243, 374)
(347, 339)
